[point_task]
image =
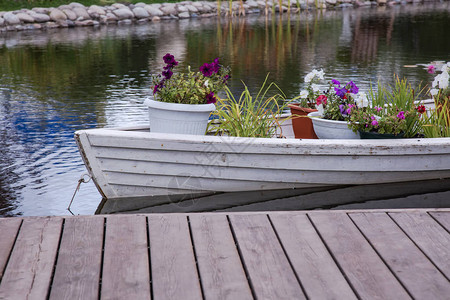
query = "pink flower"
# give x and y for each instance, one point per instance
(378, 109)
(401, 115)
(322, 99)
(431, 69)
(374, 121)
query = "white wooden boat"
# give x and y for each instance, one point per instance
(133, 163)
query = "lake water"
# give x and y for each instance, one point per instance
(56, 82)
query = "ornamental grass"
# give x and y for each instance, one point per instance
(250, 115)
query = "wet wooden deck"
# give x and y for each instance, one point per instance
(398, 254)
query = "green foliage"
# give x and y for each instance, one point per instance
(376, 119)
(332, 110)
(437, 124)
(191, 87)
(400, 97)
(250, 116)
(392, 110)
(402, 94)
(378, 97)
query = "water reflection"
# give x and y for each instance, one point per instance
(56, 82)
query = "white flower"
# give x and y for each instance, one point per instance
(434, 92)
(320, 74)
(445, 67)
(309, 77)
(314, 73)
(444, 80)
(320, 109)
(304, 94)
(206, 83)
(315, 87)
(441, 80)
(361, 100)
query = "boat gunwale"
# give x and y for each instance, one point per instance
(135, 132)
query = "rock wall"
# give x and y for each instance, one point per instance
(76, 14)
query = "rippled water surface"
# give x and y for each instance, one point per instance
(56, 82)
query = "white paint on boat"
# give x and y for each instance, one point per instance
(133, 162)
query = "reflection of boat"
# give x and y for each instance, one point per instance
(128, 163)
(414, 194)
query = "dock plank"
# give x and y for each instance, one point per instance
(221, 270)
(367, 273)
(9, 229)
(363, 254)
(269, 270)
(428, 235)
(77, 272)
(443, 218)
(173, 267)
(31, 263)
(126, 263)
(419, 276)
(315, 267)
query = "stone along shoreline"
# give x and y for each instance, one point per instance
(76, 14)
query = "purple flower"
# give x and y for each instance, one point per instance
(335, 82)
(167, 74)
(225, 78)
(210, 98)
(352, 87)
(342, 108)
(168, 67)
(216, 65)
(170, 59)
(158, 86)
(207, 69)
(349, 110)
(401, 115)
(340, 92)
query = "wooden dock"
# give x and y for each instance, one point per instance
(397, 254)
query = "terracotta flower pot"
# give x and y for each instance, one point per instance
(302, 125)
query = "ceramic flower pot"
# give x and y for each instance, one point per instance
(330, 129)
(178, 118)
(376, 135)
(301, 124)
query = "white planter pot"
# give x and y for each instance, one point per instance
(178, 118)
(330, 129)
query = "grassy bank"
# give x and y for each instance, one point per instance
(8, 5)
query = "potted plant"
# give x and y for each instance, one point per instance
(381, 123)
(334, 108)
(304, 104)
(250, 115)
(184, 101)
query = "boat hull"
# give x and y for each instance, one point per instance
(128, 163)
